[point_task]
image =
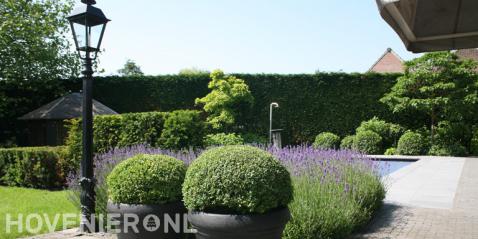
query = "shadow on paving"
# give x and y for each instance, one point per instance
(387, 218)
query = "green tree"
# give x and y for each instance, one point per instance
(228, 98)
(437, 84)
(192, 71)
(130, 68)
(34, 41)
(35, 53)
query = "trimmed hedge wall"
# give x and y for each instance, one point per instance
(309, 103)
(183, 127)
(34, 167)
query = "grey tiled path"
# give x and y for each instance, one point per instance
(460, 221)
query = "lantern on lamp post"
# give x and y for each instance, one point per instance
(88, 25)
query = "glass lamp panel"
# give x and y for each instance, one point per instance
(94, 36)
(79, 32)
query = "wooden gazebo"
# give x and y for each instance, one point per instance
(46, 125)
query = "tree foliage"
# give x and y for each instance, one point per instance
(227, 97)
(35, 54)
(193, 71)
(437, 84)
(34, 42)
(130, 68)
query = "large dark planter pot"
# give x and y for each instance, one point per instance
(143, 211)
(224, 226)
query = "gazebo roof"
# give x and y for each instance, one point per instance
(66, 107)
(433, 25)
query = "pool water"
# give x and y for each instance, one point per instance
(388, 167)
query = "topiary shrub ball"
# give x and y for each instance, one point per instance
(347, 142)
(327, 140)
(391, 151)
(236, 180)
(368, 142)
(411, 143)
(147, 179)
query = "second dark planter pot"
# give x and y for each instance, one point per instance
(222, 226)
(145, 211)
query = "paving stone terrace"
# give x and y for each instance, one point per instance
(436, 197)
(433, 198)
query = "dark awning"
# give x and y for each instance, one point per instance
(66, 107)
(433, 25)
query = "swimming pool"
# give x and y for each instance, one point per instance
(389, 166)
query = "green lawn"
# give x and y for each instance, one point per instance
(25, 201)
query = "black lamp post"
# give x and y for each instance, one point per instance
(88, 26)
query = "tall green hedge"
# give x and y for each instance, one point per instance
(35, 167)
(176, 129)
(309, 103)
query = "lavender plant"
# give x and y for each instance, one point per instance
(334, 191)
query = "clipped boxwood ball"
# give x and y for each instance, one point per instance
(147, 179)
(368, 142)
(327, 140)
(347, 142)
(236, 180)
(411, 143)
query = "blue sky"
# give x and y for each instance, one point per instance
(246, 36)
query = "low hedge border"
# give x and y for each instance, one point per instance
(34, 167)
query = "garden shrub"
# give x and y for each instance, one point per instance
(450, 138)
(411, 143)
(227, 101)
(474, 143)
(222, 139)
(368, 142)
(34, 167)
(391, 151)
(327, 140)
(389, 132)
(141, 128)
(182, 129)
(454, 149)
(107, 131)
(147, 179)
(256, 139)
(347, 142)
(259, 181)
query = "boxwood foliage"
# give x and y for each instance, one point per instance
(222, 139)
(236, 180)
(182, 129)
(389, 132)
(147, 179)
(327, 140)
(347, 142)
(34, 167)
(368, 142)
(175, 129)
(411, 143)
